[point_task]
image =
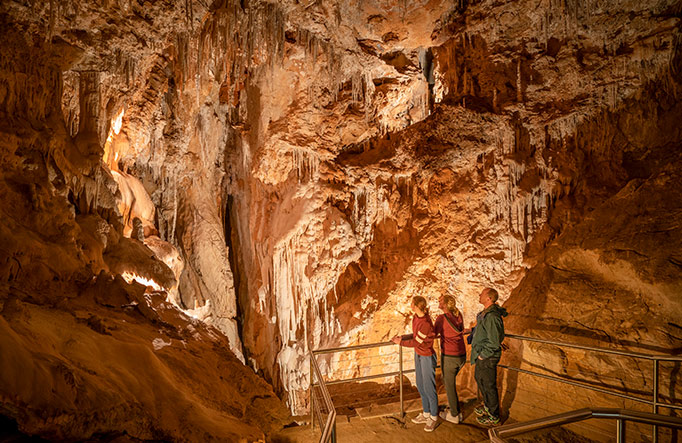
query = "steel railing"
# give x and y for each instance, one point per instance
(654, 402)
(622, 416)
(328, 431)
(400, 372)
(655, 359)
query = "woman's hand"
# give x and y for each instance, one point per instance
(396, 339)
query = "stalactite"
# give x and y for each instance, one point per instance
(130, 71)
(358, 94)
(519, 85)
(189, 13)
(171, 238)
(465, 82)
(51, 20)
(98, 178)
(89, 100)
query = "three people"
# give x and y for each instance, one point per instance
(486, 349)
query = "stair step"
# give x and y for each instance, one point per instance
(383, 410)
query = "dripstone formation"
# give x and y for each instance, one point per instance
(194, 193)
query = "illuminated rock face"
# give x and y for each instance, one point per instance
(292, 173)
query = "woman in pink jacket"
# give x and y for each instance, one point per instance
(449, 327)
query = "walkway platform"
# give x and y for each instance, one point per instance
(389, 430)
(370, 426)
(412, 406)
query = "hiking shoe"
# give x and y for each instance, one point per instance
(431, 424)
(419, 419)
(488, 420)
(447, 416)
(481, 410)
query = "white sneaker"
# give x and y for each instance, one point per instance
(421, 418)
(431, 424)
(447, 416)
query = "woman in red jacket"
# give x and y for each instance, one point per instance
(425, 362)
(449, 326)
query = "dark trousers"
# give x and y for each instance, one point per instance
(485, 374)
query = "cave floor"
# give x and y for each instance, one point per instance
(379, 425)
(392, 430)
(388, 429)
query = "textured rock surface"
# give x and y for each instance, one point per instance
(293, 172)
(627, 272)
(85, 355)
(112, 361)
(541, 118)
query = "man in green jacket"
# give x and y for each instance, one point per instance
(486, 349)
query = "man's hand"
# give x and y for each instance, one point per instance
(480, 358)
(396, 339)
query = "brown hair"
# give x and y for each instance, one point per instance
(451, 305)
(493, 295)
(420, 302)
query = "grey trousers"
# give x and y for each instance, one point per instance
(451, 366)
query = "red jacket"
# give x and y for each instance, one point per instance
(422, 336)
(451, 339)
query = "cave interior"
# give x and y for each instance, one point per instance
(196, 194)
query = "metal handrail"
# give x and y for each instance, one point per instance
(352, 348)
(358, 348)
(644, 356)
(329, 431)
(398, 373)
(622, 415)
(654, 358)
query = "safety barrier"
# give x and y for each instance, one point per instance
(399, 373)
(655, 359)
(629, 415)
(620, 415)
(328, 431)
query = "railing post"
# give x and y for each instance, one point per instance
(400, 357)
(620, 430)
(312, 394)
(655, 402)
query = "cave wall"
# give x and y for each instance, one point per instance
(92, 346)
(536, 121)
(362, 152)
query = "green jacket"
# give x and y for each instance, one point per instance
(488, 333)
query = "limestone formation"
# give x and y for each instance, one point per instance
(281, 175)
